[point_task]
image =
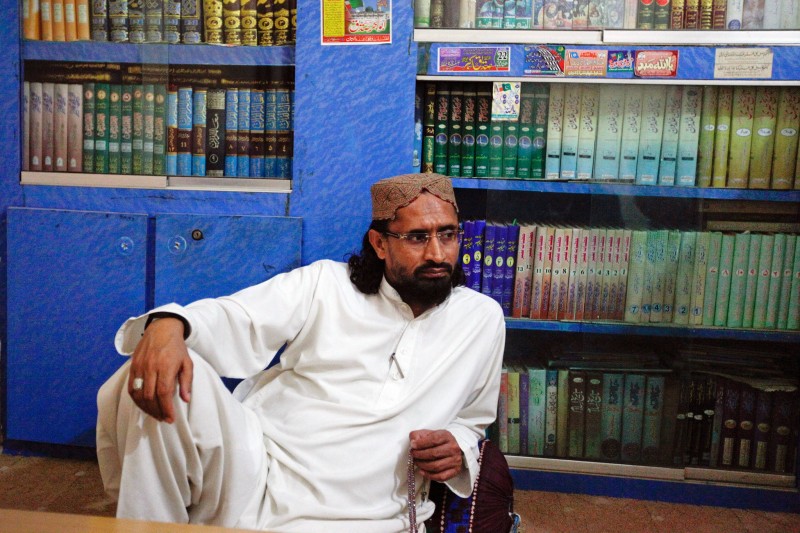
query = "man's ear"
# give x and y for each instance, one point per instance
(378, 242)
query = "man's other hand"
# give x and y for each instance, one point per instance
(436, 453)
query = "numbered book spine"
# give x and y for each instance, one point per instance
(75, 128)
(454, 133)
(138, 128)
(653, 106)
(190, 21)
(659, 276)
(609, 133)
(285, 139)
(571, 131)
(742, 113)
(60, 132)
(199, 110)
(669, 140)
(738, 280)
(215, 133)
(524, 269)
(185, 100)
(574, 261)
(271, 132)
(631, 131)
(708, 127)
(611, 421)
(477, 255)
(172, 21)
(724, 280)
(114, 128)
(722, 137)
(171, 159)
(786, 134)
(712, 278)
(587, 133)
(160, 129)
(468, 130)
(636, 274)
(624, 268)
(126, 130)
(88, 127)
(258, 140)
(148, 126)
(689, 138)
(632, 417)
(786, 281)
(243, 137)
(753, 255)
(537, 274)
(487, 272)
(555, 127)
(684, 282)
(765, 116)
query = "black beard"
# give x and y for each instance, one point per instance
(425, 292)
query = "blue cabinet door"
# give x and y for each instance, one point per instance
(205, 256)
(73, 278)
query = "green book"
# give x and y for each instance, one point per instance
(631, 130)
(587, 131)
(699, 272)
(763, 138)
(512, 410)
(540, 120)
(786, 134)
(482, 122)
(689, 138)
(137, 141)
(764, 276)
(652, 419)
(525, 145)
(576, 417)
(442, 127)
(708, 127)
(126, 131)
(776, 272)
(752, 280)
(712, 278)
(609, 133)
(722, 137)
(632, 417)
(536, 409)
(502, 412)
(510, 148)
(454, 133)
(611, 421)
(468, 131)
(555, 126)
(88, 126)
(101, 103)
(744, 99)
(636, 272)
(653, 108)
(114, 127)
(148, 118)
(683, 279)
(668, 163)
(793, 311)
(428, 127)
(675, 245)
(570, 133)
(724, 281)
(160, 130)
(495, 149)
(786, 281)
(738, 280)
(562, 414)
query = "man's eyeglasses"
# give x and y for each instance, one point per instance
(418, 238)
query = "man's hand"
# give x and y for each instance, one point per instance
(160, 361)
(436, 454)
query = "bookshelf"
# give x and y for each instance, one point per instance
(587, 203)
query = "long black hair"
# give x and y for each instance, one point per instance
(366, 268)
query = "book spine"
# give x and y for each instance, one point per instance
(631, 131)
(172, 21)
(652, 419)
(477, 255)
(763, 283)
(138, 129)
(577, 413)
(512, 408)
(551, 311)
(126, 130)
(114, 125)
(765, 116)
(199, 111)
(509, 269)
(744, 429)
(540, 121)
(624, 268)
(571, 131)
(722, 137)
(258, 140)
(510, 148)
(574, 261)
(555, 126)
(498, 272)
(691, 16)
(677, 14)
(659, 276)
(786, 135)
(160, 129)
(669, 139)
(185, 149)
(684, 282)
(502, 412)
(547, 274)
(562, 414)
(148, 126)
(793, 312)
(742, 113)
(88, 127)
(786, 281)
(249, 15)
(171, 158)
(75, 128)
(454, 133)
(706, 14)
(686, 173)
(495, 148)
(536, 411)
(636, 273)
(724, 281)
(782, 432)
(718, 14)
(285, 139)
(551, 412)
(632, 418)
(271, 132)
(482, 123)
(487, 271)
(82, 18)
(48, 102)
(524, 417)
(26, 126)
(645, 15)
(738, 280)
(525, 145)
(708, 126)
(537, 274)
(243, 135)
(442, 127)
(587, 132)
(215, 133)
(60, 132)
(776, 273)
(712, 278)
(59, 28)
(31, 20)
(101, 128)
(282, 23)
(653, 107)
(611, 421)
(265, 19)
(609, 133)
(761, 428)
(753, 255)
(232, 22)
(190, 21)
(428, 127)
(136, 32)
(594, 414)
(46, 19)
(154, 21)
(662, 12)
(468, 131)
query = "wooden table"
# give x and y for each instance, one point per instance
(15, 521)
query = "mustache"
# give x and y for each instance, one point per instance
(430, 265)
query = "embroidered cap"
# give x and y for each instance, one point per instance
(391, 194)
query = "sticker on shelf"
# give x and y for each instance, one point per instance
(543, 60)
(656, 63)
(743, 63)
(474, 59)
(356, 22)
(586, 63)
(505, 100)
(620, 61)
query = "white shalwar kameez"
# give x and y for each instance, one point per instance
(319, 442)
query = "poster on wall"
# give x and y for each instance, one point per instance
(356, 22)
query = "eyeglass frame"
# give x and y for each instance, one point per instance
(458, 233)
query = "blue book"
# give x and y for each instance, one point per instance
(231, 132)
(632, 418)
(171, 159)
(283, 156)
(509, 268)
(477, 254)
(487, 272)
(500, 252)
(243, 144)
(271, 132)
(200, 103)
(257, 139)
(184, 131)
(465, 252)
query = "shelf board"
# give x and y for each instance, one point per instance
(126, 181)
(157, 53)
(655, 330)
(471, 35)
(625, 189)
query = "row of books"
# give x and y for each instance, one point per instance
(615, 411)
(737, 137)
(548, 272)
(157, 129)
(245, 22)
(599, 14)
